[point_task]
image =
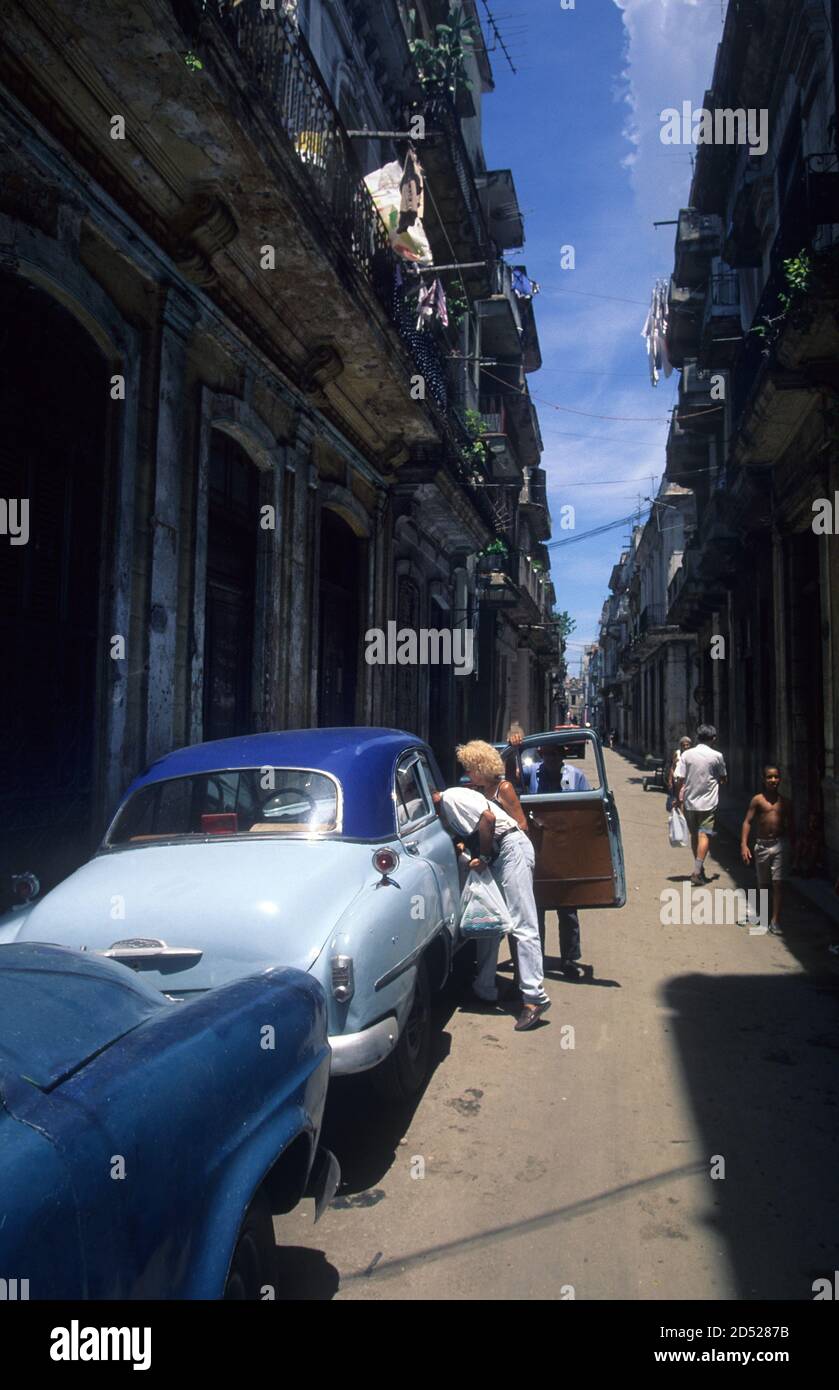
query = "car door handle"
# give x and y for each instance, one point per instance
(412, 846)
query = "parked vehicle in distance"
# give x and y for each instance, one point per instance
(320, 849)
(576, 833)
(145, 1143)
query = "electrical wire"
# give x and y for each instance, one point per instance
(634, 517)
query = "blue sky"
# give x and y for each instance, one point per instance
(579, 126)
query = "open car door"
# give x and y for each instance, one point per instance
(575, 832)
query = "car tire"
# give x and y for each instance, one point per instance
(401, 1075)
(254, 1262)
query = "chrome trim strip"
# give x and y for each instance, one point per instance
(409, 960)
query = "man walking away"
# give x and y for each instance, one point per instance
(700, 772)
(774, 822)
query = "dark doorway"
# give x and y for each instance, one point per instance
(53, 406)
(232, 535)
(340, 603)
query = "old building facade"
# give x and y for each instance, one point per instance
(754, 329)
(240, 454)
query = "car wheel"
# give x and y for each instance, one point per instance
(253, 1265)
(403, 1073)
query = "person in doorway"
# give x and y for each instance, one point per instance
(684, 744)
(613, 738)
(553, 774)
(773, 820)
(506, 852)
(699, 774)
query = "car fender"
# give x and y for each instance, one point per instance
(378, 931)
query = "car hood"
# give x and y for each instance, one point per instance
(245, 906)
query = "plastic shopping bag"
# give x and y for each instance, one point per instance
(678, 829)
(483, 911)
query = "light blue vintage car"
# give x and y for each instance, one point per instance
(318, 849)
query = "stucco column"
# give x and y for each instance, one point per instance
(783, 731)
(301, 578)
(178, 318)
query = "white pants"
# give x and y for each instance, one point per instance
(513, 872)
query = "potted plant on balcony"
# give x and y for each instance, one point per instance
(491, 559)
(441, 66)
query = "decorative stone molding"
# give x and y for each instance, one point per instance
(321, 367)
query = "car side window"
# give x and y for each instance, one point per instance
(412, 801)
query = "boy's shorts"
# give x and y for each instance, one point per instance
(701, 820)
(771, 861)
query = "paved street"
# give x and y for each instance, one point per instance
(547, 1167)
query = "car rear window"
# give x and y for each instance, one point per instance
(241, 801)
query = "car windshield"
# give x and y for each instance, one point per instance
(245, 801)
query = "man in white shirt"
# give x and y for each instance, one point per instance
(699, 774)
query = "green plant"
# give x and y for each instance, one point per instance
(797, 271)
(441, 66)
(496, 547)
(474, 453)
(193, 62)
(565, 623)
(458, 307)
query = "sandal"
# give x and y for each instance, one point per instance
(531, 1015)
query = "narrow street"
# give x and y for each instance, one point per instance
(548, 1167)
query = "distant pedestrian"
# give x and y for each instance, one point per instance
(684, 743)
(699, 774)
(774, 822)
(613, 738)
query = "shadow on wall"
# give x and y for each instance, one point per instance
(759, 1056)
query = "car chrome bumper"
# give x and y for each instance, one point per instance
(353, 1052)
(323, 1180)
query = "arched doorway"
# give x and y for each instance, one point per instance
(53, 410)
(340, 600)
(232, 537)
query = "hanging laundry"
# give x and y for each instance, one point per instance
(423, 346)
(411, 243)
(655, 333)
(432, 304)
(412, 192)
(523, 286)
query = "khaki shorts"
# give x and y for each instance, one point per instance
(771, 861)
(701, 820)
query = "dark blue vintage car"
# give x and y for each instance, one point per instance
(146, 1143)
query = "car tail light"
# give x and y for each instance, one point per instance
(343, 979)
(385, 861)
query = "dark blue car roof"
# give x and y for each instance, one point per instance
(362, 760)
(59, 1007)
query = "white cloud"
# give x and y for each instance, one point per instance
(670, 50)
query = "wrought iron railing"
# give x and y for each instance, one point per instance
(279, 62)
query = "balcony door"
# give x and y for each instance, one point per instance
(232, 535)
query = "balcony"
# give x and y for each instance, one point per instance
(500, 316)
(684, 322)
(698, 240)
(275, 59)
(533, 503)
(753, 200)
(513, 581)
(697, 410)
(502, 458)
(722, 330)
(500, 205)
(461, 225)
(686, 453)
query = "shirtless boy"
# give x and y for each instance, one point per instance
(773, 821)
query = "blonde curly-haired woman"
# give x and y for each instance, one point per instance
(491, 807)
